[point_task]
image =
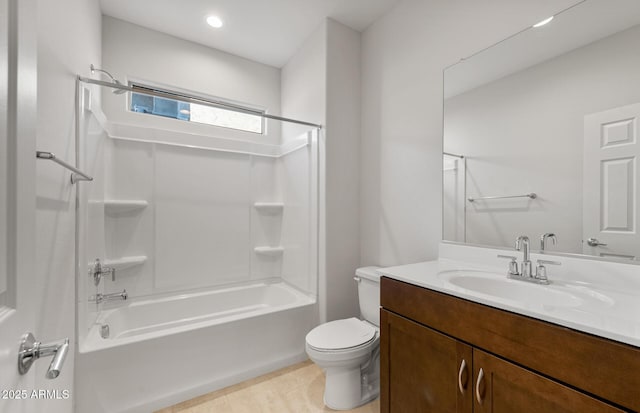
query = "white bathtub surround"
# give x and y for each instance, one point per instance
(147, 375)
(197, 211)
(215, 242)
(116, 207)
(593, 296)
(151, 318)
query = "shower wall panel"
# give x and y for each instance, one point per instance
(174, 218)
(129, 177)
(266, 224)
(202, 217)
(297, 222)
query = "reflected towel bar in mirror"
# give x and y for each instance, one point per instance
(532, 195)
(77, 174)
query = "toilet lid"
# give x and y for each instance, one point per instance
(340, 334)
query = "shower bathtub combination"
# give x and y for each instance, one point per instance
(207, 249)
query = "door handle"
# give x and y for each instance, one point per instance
(593, 242)
(478, 383)
(463, 370)
(31, 350)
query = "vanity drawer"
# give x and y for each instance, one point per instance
(598, 366)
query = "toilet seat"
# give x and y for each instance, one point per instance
(341, 335)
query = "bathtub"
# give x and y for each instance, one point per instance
(166, 350)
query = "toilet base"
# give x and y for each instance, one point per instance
(348, 388)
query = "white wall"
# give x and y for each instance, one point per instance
(68, 41)
(303, 80)
(342, 169)
(524, 133)
(321, 84)
(403, 55)
(131, 52)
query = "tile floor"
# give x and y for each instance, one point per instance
(295, 389)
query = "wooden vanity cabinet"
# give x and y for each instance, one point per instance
(419, 368)
(442, 363)
(507, 388)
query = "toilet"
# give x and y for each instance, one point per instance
(348, 350)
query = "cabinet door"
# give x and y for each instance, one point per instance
(422, 370)
(502, 387)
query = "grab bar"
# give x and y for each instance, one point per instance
(532, 195)
(77, 174)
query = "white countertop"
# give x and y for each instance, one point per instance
(596, 308)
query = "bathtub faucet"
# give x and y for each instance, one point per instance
(98, 298)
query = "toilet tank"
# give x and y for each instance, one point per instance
(369, 294)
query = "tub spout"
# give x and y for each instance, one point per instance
(98, 298)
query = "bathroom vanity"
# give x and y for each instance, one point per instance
(442, 352)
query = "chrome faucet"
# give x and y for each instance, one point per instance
(98, 298)
(526, 272)
(545, 237)
(522, 243)
(97, 271)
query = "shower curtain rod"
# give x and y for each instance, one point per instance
(453, 154)
(192, 99)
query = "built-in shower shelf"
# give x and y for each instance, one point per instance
(269, 207)
(270, 251)
(120, 206)
(124, 263)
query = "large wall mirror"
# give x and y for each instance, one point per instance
(541, 136)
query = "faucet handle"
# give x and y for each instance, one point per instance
(541, 270)
(97, 270)
(513, 265)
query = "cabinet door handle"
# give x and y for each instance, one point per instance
(478, 382)
(463, 370)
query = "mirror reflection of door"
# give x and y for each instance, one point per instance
(611, 183)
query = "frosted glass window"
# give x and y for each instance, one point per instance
(193, 112)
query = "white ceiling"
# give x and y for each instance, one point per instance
(267, 31)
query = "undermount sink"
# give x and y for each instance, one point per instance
(500, 287)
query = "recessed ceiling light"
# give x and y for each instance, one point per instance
(214, 21)
(542, 23)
